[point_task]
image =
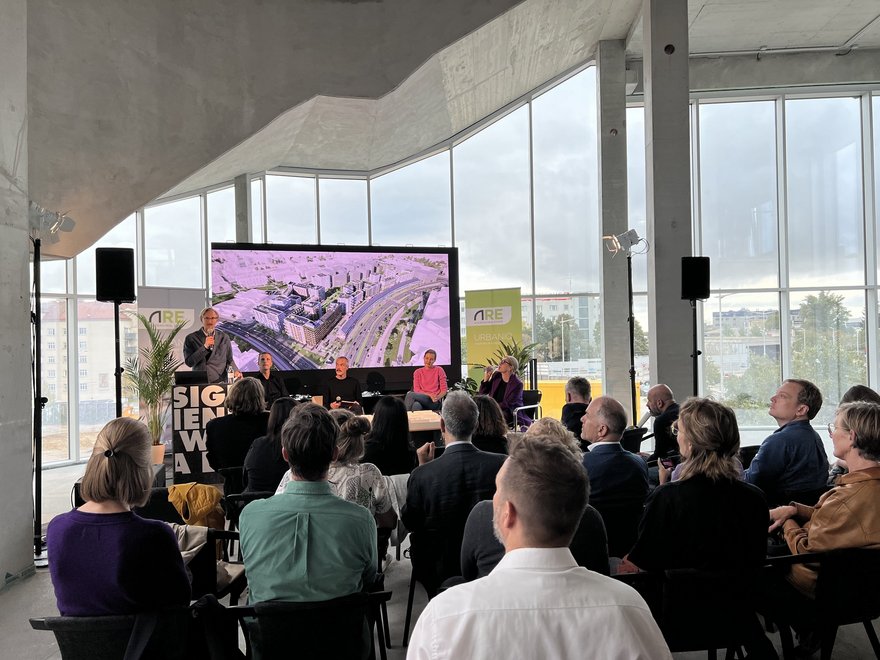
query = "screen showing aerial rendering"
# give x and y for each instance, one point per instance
(307, 305)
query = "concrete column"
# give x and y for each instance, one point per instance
(613, 206)
(667, 151)
(244, 231)
(16, 503)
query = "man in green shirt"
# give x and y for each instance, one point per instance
(307, 544)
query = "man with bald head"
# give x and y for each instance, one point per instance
(664, 410)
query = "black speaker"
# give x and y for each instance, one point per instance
(114, 275)
(694, 278)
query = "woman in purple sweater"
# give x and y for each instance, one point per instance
(103, 558)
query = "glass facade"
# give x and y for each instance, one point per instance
(780, 206)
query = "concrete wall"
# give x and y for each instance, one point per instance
(16, 504)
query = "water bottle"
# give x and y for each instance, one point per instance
(230, 374)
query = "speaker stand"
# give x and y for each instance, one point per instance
(118, 372)
(695, 356)
(632, 334)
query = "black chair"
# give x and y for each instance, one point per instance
(632, 438)
(204, 568)
(159, 635)
(531, 407)
(159, 508)
(847, 591)
(341, 627)
(234, 504)
(233, 479)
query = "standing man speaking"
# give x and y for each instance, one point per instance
(209, 350)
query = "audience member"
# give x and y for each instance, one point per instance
(491, 431)
(709, 519)
(229, 438)
(106, 559)
(343, 391)
(264, 465)
(537, 602)
(847, 516)
(307, 544)
(577, 398)
(860, 393)
(664, 410)
(481, 550)
(506, 388)
(429, 385)
(388, 446)
(791, 463)
(617, 477)
(442, 492)
(209, 350)
(273, 384)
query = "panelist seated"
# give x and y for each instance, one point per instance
(429, 385)
(105, 558)
(343, 391)
(273, 384)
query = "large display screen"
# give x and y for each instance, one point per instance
(307, 304)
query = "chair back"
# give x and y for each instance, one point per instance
(158, 507)
(233, 479)
(332, 628)
(631, 440)
(162, 635)
(848, 585)
(709, 610)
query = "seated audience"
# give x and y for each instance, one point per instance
(709, 518)
(853, 394)
(577, 398)
(791, 462)
(847, 516)
(106, 559)
(537, 602)
(481, 550)
(429, 385)
(506, 388)
(491, 432)
(229, 438)
(273, 384)
(664, 410)
(343, 391)
(442, 492)
(388, 446)
(264, 465)
(307, 544)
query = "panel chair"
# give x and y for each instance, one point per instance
(847, 591)
(531, 407)
(146, 636)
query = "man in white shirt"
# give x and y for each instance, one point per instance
(537, 602)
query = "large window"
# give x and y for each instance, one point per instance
(121, 236)
(173, 244)
(291, 209)
(221, 215)
(411, 205)
(343, 211)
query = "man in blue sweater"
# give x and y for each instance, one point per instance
(791, 463)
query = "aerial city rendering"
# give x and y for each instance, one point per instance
(379, 309)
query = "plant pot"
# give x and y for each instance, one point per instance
(158, 454)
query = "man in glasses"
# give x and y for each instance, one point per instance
(209, 350)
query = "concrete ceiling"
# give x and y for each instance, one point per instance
(130, 101)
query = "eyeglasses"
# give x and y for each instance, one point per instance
(674, 430)
(832, 427)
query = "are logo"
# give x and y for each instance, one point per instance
(489, 315)
(166, 318)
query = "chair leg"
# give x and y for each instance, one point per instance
(872, 636)
(385, 627)
(381, 628)
(827, 635)
(409, 605)
(787, 642)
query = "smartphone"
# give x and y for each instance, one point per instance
(670, 462)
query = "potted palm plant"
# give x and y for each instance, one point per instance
(150, 377)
